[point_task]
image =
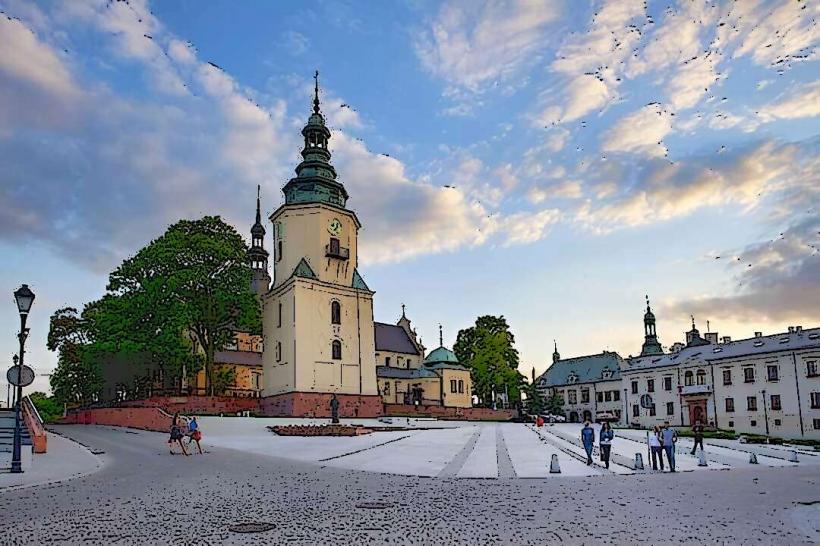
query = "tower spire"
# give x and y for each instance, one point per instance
(316, 92)
(647, 303)
(651, 345)
(440, 336)
(258, 205)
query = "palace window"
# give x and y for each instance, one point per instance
(730, 405)
(777, 422)
(453, 386)
(279, 250)
(335, 312)
(731, 424)
(670, 408)
(634, 387)
(816, 423)
(748, 375)
(650, 385)
(606, 374)
(387, 388)
(572, 378)
(278, 351)
(461, 386)
(336, 349)
(701, 377)
(775, 402)
(387, 361)
(652, 410)
(573, 397)
(608, 396)
(751, 403)
(772, 373)
(636, 410)
(616, 395)
(727, 377)
(753, 423)
(815, 400)
(667, 383)
(688, 378)
(409, 363)
(334, 246)
(585, 396)
(600, 397)
(811, 368)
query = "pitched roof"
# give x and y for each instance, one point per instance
(787, 341)
(358, 281)
(394, 339)
(388, 372)
(586, 368)
(304, 270)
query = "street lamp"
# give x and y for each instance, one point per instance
(24, 298)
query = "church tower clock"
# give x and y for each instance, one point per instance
(318, 314)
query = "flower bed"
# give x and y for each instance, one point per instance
(320, 430)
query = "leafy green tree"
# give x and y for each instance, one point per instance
(535, 401)
(49, 408)
(488, 350)
(223, 378)
(554, 405)
(193, 280)
(77, 378)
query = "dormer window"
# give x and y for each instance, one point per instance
(607, 373)
(572, 378)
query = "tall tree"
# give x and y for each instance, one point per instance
(535, 401)
(193, 280)
(77, 378)
(488, 350)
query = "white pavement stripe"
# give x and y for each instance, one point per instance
(482, 461)
(530, 456)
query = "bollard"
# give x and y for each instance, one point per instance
(638, 461)
(793, 456)
(752, 458)
(554, 467)
(701, 458)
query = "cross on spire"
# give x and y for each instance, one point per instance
(647, 302)
(316, 92)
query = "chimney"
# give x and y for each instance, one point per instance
(758, 334)
(798, 329)
(727, 339)
(711, 337)
(791, 329)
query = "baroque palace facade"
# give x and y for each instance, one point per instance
(767, 385)
(319, 338)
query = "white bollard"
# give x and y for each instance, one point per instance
(701, 458)
(793, 456)
(638, 461)
(752, 458)
(554, 467)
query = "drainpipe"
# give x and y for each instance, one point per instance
(714, 394)
(765, 414)
(797, 388)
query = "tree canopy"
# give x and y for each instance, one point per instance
(488, 350)
(174, 304)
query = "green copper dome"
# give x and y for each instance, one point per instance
(441, 354)
(315, 180)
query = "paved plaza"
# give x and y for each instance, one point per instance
(143, 495)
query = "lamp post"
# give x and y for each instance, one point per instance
(24, 298)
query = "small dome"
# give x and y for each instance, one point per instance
(441, 355)
(649, 316)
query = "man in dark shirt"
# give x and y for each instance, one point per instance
(588, 439)
(697, 430)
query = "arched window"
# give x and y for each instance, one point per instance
(701, 377)
(335, 312)
(688, 378)
(336, 349)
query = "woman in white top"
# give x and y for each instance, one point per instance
(656, 448)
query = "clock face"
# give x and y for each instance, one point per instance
(335, 227)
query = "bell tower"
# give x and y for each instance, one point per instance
(257, 255)
(651, 345)
(318, 314)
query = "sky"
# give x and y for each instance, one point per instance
(552, 162)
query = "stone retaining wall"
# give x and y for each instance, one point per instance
(315, 404)
(142, 418)
(197, 405)
(457, 414)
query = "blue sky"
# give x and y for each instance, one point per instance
(549, 161)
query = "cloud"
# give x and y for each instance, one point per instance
(474, 46)
(640, 132)
(656, 190)
(527, 227)
(801, 102)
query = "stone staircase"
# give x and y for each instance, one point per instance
(7, 439)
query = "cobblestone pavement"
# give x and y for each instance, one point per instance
(143, 495)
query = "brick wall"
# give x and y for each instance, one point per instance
(310, 404)
(461, 414)
(142, 418)
(199, 405)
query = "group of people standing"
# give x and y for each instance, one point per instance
(661, 440)
(179, 431)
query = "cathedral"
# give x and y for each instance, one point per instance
(320, 339)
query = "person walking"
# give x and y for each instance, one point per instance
(588, 439)
(655, 447)
(194, 434)
(176, 435)
(669, 437)
(605, 438)
(697, 430)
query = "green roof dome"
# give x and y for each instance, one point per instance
(441, 355)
